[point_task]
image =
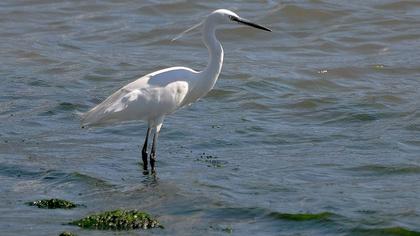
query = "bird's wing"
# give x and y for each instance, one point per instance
(121, 102)
(154, 95)
(113, 103)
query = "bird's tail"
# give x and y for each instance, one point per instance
(104, 112)
(93, 117)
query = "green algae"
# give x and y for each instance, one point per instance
(67, 233)
(118, 220)
(301, 216)
(53, 203)
(378, 66)
(228, 230)
(392, 231)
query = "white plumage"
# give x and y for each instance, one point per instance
(149, 98)
(153, 96)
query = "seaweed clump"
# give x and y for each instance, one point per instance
(118, 220)
(53, 203)
(301, 216)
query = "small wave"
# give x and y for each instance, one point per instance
(252, 105)
(387, 170)
(238, 212)
(310, 103)
(220, 93)
(358, 117)
(317, 85)
(299, 14)
(177, 7)
(399, 5)
(302, 216)
(67, 106)
(10, 170)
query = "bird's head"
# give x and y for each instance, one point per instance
(223, 16)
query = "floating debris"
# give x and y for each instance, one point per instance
(322, 71)
(67, 233)
(118, 220)
(378, 66)
(211, 161)
(53, 203)
(227, 229)
(301, 216)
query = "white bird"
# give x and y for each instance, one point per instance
(158, 94)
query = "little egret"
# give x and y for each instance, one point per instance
(158, 94)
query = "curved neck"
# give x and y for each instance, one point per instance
(210, 74)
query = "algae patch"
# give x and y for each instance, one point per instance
(118, 220)
(301, 216)
(392, 231)
(53, 203)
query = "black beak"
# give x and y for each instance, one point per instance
(249, 23)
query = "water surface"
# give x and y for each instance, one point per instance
(319, 116)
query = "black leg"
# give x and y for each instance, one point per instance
(144, 150)
(153, 153)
